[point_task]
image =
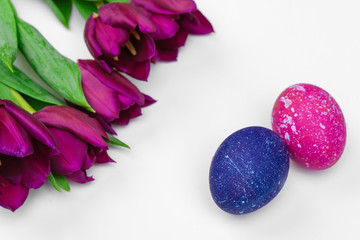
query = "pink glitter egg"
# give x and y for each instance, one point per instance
(312, 125)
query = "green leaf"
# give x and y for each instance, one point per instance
(115, 141)
(85, 8)
(62, 10)
(22, 83)
(52, 181)
(5, 93)
(8, 35)
(59, 181)
(60, 73)
(62, 182)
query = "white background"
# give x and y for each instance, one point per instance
(221, 83)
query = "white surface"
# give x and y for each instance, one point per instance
(221, 83)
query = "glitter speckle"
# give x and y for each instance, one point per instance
(298, 87)
(287, 137)
(287, 102)
(287, 119)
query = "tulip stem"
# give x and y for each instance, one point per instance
(21, 101)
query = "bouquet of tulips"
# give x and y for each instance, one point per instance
(54, 138)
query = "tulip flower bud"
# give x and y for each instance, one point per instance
(74, 129)
(118, 38)
(26, 148)
(112, 96)
(174, 20)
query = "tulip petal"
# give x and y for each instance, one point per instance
(126, 64)
(145, 48)
(125, 102)
(123, 119)
(98, 155)
(103, 157)
(73, 153)
(167, 6)
(118, 15)
(166, 27)
(104, 65)
(74, 121)
(109, 38)
(90, 38)
(133, 111)
(100, 97)
(125, 116)
(175, 42)
(32, 125)
(31, 171)
(37, 170)
(148, 101)
(196, 23)
(126, 16)
(125, 87)
(14, 140)
(90, 159)
(167, 50)
(167, 55)
(107, 127)
(80, 177)
(12, 196)
(113, 80)
(141, 70)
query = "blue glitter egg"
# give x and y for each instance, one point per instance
(248, 170)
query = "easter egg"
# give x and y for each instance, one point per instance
(248, 170)
(312, 125)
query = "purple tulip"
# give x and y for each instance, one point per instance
(174, 20)
(118, 37)
(25, 148)
(80, 140)
(111, 95)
